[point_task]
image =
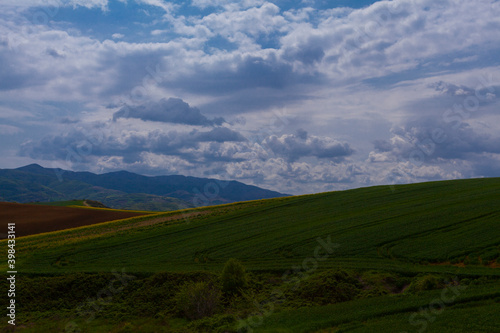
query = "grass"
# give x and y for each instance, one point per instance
(399, 312)
(447, 228)
(374, 227)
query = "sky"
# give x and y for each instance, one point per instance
(294, 96)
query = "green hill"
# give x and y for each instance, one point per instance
(374, 227)
(384, 238)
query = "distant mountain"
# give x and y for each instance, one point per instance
(122, 189)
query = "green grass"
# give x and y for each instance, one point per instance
(379, 232)
(375, 228)
(397, 312)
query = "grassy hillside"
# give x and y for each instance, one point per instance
(416, 236)
(451, 221)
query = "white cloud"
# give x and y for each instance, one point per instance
(227, 4)
(103, 4)
(335, 69)
(167, 6)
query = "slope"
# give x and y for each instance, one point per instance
(423, 257)
(405, 230)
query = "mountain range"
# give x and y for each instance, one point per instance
(123, 189)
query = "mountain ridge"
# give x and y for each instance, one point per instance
(123, 189)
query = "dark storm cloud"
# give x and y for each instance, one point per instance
(172, 110)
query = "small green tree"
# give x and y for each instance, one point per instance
(234, 277)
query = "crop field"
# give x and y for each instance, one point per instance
(386, 239)
(36, 219)
(416, 227)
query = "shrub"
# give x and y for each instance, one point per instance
(197, 300)
(426, 282)
(234, 277)
(332, 286)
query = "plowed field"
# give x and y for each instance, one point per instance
(35, 219)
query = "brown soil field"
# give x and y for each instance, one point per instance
(35, 219)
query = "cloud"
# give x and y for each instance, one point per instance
(295, 146)
(103, 4)
(118, 145)
(165, 5)
(227, 3)
(452, 89)
(428, 140)
(219, 134)
(9, 130)
(333, 69)
(295, 177)
(83, 142)
(252, 21)
(428, 148)
(172, 110)
(14, 74)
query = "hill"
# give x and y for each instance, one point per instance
(353, 261)
(428, 222)
(122, 190)
(74, 203)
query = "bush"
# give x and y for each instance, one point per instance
(332, 286)
(426, 282)
(234, 278)
(197, 300)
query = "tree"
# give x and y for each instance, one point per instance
(234, 277)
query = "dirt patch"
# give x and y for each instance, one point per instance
(494, 264)
(35, 219)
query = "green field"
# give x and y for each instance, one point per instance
(385, 237)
